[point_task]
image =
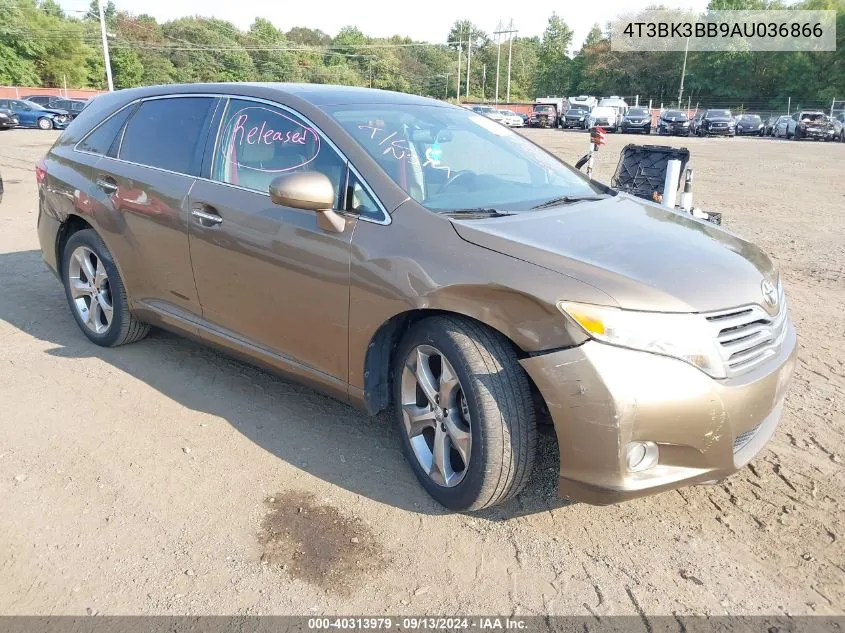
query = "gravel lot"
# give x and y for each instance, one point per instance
(160, 477)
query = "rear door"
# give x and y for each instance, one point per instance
(141, 186)
(271, 281)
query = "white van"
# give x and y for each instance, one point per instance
(590, 102)
(604, 117)
(618, 104)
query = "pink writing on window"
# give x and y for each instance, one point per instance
(263, 134)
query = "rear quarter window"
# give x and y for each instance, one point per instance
(102, 138)
(168, 134)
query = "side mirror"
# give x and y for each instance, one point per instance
(308, 190)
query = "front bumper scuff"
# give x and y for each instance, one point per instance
(602, 397)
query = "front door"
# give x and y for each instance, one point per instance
(271, 282)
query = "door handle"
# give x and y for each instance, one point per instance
(107, 184)
(206, 216)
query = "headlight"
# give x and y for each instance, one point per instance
(683, 336)
(685, 123)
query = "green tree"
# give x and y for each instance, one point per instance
(270, 65)
(214, 54)
(308, 37)
(554, 66)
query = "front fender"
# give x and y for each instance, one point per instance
(419, 262)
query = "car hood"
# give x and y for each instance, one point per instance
(56, 111)
(644, 256)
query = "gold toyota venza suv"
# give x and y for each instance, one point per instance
(401, 253)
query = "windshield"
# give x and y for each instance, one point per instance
(544, 108)
(813, 116)
(449, 158)
(676, 114)
(604, 112)
(578, 110)
(751, 118)
(637, 112)
(718, 113)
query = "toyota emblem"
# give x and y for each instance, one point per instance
(770, 293)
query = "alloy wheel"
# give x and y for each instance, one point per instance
(90, 290)
(436, 416)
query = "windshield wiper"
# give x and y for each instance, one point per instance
(481, 212)
(568, 200)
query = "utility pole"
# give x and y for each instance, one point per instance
(789, 105)
(498, 33)
(483, 80)
(510, 54)
(106, 59)
(460, 48)
(446, 75)
(469, 57)
(501, 30)
(683, 73)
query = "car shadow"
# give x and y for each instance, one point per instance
(312, 432)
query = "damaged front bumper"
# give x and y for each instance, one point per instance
(603, 398)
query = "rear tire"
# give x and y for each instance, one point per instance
(490, 401)
(96, 294)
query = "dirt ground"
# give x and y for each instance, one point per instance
(165, 478)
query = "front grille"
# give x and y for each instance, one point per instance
(749, 335)
(743, 438)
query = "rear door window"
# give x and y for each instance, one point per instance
(102, 138)
(168, 134)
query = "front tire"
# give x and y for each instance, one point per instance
(95, 292)
(45, 124)
(464, 411)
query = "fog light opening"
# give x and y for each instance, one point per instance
(641, 456)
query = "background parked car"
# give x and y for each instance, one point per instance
(488, 111)
(543, 115)
(73, 106)
(560, 105)
(525, 119)
(749, 124)
(576, 116)
(673, 122)
(695, 122)
(42, 100)
(781, 126)
(809, 124)
(769, 126)
(510, 118)
(619, 105)
(716, 122)
(8, 119)
(33, 115)
(637, 120)
(603, 117)
(841, 121)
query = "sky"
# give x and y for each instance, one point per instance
(423, 20)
